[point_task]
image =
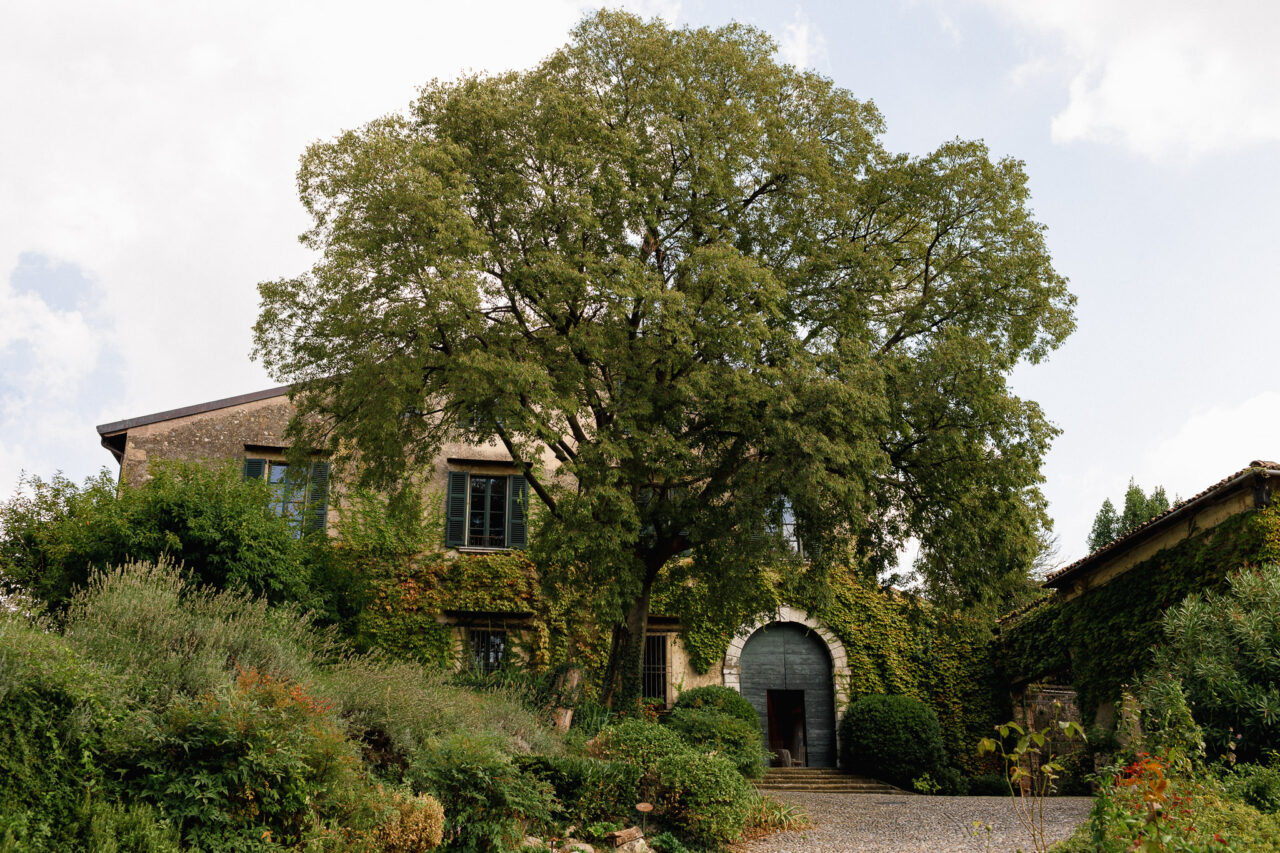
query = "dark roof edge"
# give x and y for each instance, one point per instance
(1166, 518)
(197, 409)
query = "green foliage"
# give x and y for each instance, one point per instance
(213, 522)
(637, 742)
(1144, 807)
(262, 761)
(55, 709)
(893, 738)
(1223, 648)
(488, 803)
(705, 306)
(1257, 785)
(703, 797)
(714, 697)
(665, 842)
(587, 790)
(1101, 640)
(1034, 767)
(709, 730)
(1139, 508)
(165, 637)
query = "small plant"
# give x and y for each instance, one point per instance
(665, 842)
(1033, 769)
(924, 784)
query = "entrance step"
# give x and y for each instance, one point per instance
(822, 780)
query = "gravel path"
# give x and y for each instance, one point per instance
(910, 823)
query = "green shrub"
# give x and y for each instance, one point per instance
(988, 785)
(892, 738)
(1222, 647)
(637, 742)
(726, 700)
(703, 797)
(261, 760)
(587, 790)
(1255, 784)
(56, 708)
(709, 730)
(135, 828)
(489, 804)
(665, 842)
(213, 522)
(167, 637)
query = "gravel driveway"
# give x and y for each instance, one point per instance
(880, 823)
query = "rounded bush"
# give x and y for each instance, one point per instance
(637, 742)
(708, 730)
(703, 797)
(726, 700)
(891, 738)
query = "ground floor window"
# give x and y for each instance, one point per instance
(488, 649)
(654, 673)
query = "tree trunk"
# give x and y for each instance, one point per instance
(624, 676)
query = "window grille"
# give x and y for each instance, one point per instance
(487, 650)
(654, 674)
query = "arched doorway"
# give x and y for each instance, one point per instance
(786, 675)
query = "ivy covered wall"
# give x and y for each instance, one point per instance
(1101, 640)
(895, 644)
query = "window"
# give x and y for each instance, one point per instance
(303, 501)
(654, 668)
(487, 649)
(486, 511)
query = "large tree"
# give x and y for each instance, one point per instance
(695, 278)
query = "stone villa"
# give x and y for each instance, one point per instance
(792, 668)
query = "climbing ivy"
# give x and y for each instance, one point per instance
(895, 643)
(1102, 640)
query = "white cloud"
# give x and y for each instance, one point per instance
(154, 147)
(802, 44)
(1169, 80)
(1213, 443)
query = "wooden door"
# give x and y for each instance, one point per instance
(788, 656)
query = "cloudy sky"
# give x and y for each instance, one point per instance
(147, 185)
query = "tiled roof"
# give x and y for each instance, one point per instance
(1177, 509)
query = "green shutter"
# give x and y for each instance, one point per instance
(517, 511)
(255, 469)
(317, 506)
(455, 511)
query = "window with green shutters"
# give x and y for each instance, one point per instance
(486, 511)
(305, 502)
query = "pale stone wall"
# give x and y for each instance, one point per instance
(211, 437)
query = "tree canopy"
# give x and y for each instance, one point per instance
(1139, 508)
(690, 291)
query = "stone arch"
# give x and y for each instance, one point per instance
(786, 613)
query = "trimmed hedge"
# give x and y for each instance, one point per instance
(892, 738)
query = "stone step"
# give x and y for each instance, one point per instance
(822, 780)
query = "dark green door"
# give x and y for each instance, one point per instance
(785, 656)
